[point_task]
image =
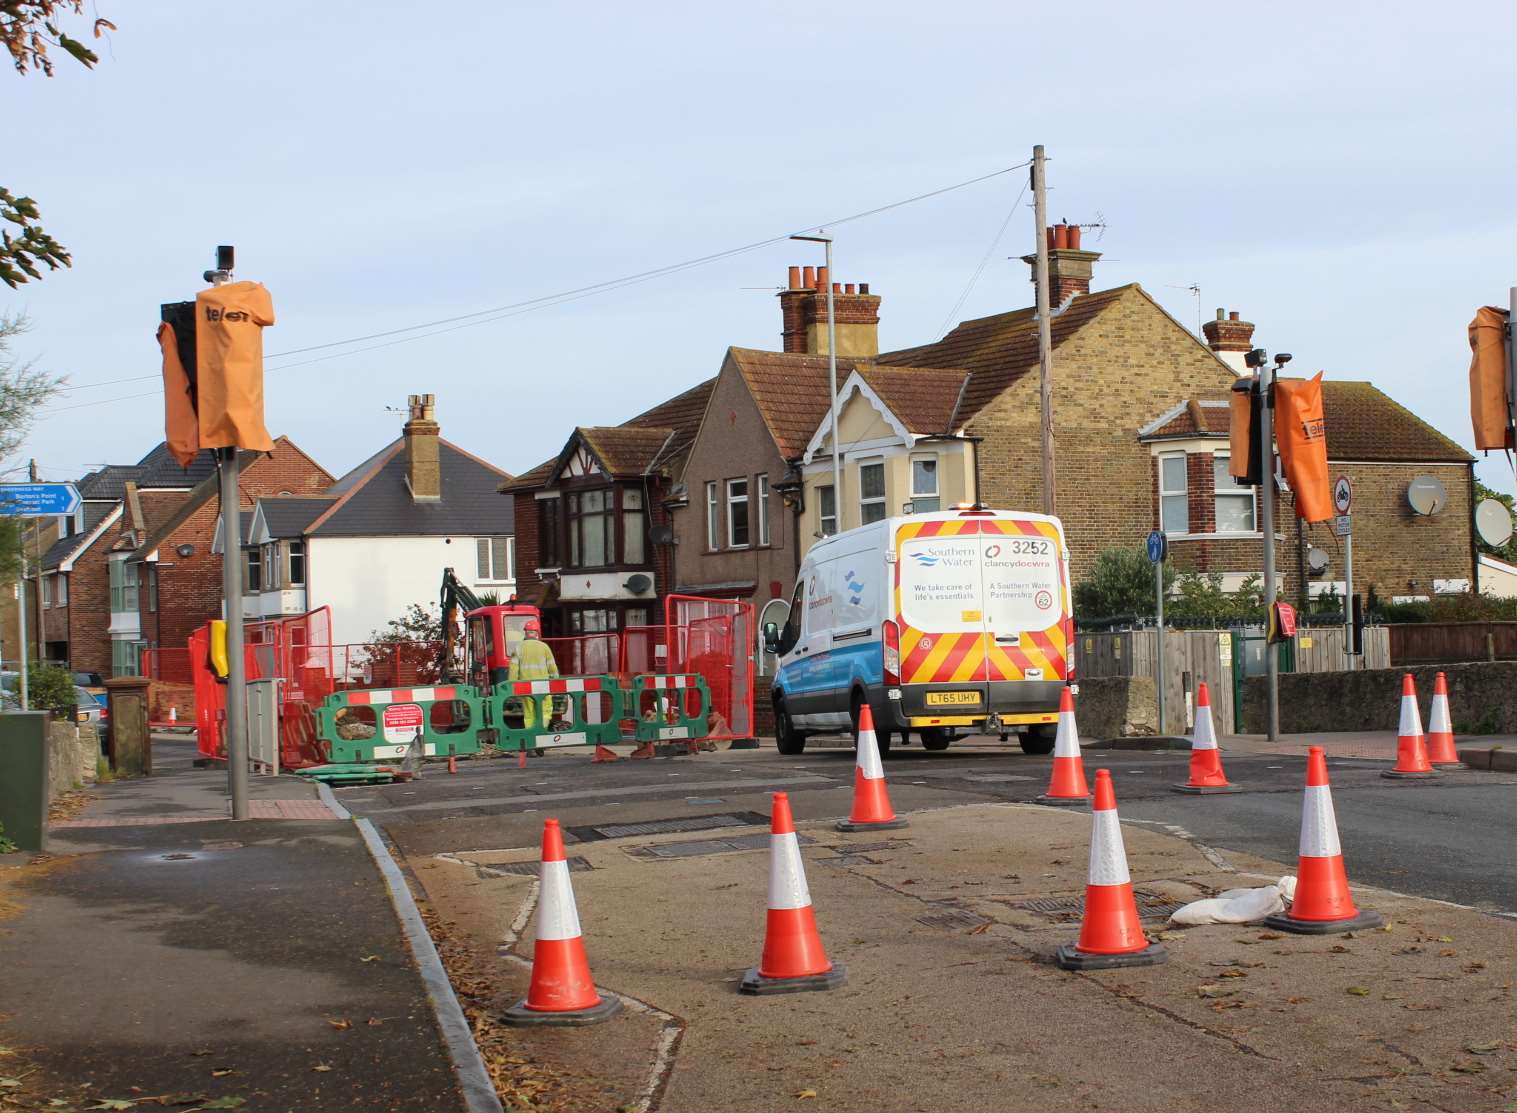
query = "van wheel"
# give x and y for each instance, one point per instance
(936, 738)
(1039, 739)
(787, 739)
(881, 737)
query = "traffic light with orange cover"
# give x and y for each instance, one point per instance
(1301, 433)
(1490, 409)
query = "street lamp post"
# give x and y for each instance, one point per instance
(832, 388)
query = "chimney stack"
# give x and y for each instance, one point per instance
(1069, 268)
(803, 312)
(423, 470)
(1230, 338)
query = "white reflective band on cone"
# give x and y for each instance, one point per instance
(1319, 824)
(1205, 737)
(1411, 718)
(1066, 742)
(1438, 718)
(1108, 857)
(868, 759)
(557, 917)
(787, 881)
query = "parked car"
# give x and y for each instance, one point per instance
(94, 683)
(88, 710)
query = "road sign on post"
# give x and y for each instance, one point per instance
(1343, 494)
(1158, 549)
(38, 500)
(1343, 526)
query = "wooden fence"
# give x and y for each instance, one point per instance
(1438, 643)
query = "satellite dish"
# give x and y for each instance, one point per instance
(1316, 560)
(1426, 495)
(1493, 521)
(661, 535)
(638, 583)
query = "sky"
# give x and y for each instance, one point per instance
(1340, 175)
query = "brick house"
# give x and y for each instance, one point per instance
(593, 537)
(172, 572)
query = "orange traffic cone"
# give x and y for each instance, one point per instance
(1206, 775)
(871, 800)
(1440, 729)
(562, 991)
(1411, 750)
(1067, 785)
(452, 764)
(1322, 904)
(793, 960)
(1110, 935)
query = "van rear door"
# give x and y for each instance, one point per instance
(1026, 599)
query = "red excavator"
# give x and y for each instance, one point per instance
(491, 634)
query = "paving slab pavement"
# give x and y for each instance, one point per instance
(952, 1002)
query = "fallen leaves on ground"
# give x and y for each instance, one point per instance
(322, 1068)
(342, 1025)
(1214, 991)
(805, 1095)
(1357, 991)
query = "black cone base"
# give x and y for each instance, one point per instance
(757, 985)
(1391, 774)
(577, 1018)
(1062, 801)
(1071, 958)
(1206, 790)
(1281, 922)
(850, 825)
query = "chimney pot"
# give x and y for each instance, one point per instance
(1050, 237)
(1074, 237)
(837, 288)
(795, 278)
(849, 288)
(808, 281)
(863, 287)
(1060, 236)
(1233, 316)
(1221, 314)
(821, 278)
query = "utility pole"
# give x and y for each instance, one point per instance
(1045, 333)
(37, 550)
(1511, 355)
(832, 389)
(231, 587)
(1258, 359)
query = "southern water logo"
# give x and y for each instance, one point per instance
(856, 588)
(926, 560)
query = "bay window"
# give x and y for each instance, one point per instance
(592, 529)
(634, 527)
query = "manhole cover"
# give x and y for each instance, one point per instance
(669, 826)
(697, 848)
(1150, 906)
(953, 918)
(528, 869)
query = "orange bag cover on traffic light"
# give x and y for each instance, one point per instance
(1301, 433)
(1488, 404)
(229, 324)
(181, 428)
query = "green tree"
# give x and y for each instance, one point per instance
(1120, 585)
(31, 29)
(1508, 551)
(406, 650)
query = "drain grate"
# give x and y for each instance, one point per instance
(697, 848)
(669, 826)
(1150, 905)
(527, 869)
(953, 919)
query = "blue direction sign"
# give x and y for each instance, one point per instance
(1158, 546)
(38, 500)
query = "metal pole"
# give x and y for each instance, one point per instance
(1045, 335)
(832, 394)
(236, 680)
(37, 551)
(1348, 597)
(1159, 636)
(21, 611)
(1267, 476)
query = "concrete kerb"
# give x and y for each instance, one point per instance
(473, 1079)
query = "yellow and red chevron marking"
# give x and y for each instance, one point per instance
(947, 658)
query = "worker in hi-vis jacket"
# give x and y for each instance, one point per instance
(533, 660)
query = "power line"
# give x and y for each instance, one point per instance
(546, 301)
(989, 251)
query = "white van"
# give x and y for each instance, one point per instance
(958, 620)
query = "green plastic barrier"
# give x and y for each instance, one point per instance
(665, 694)
(571, 722)
(399, 715)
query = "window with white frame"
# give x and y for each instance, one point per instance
(1174, 508)
(713, 517)
(737, 513)
(492, 560)
(872, 492)
(762, 499)
(634, 527)
(925, 498)
(298, 561)
(1235, 502)
(827, 510)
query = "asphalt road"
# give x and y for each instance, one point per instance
(1449, 839)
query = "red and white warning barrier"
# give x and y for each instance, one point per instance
(372, 696)
(555, 687)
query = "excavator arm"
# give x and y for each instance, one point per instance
(453, 597)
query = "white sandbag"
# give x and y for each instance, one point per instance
(1237, 906)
